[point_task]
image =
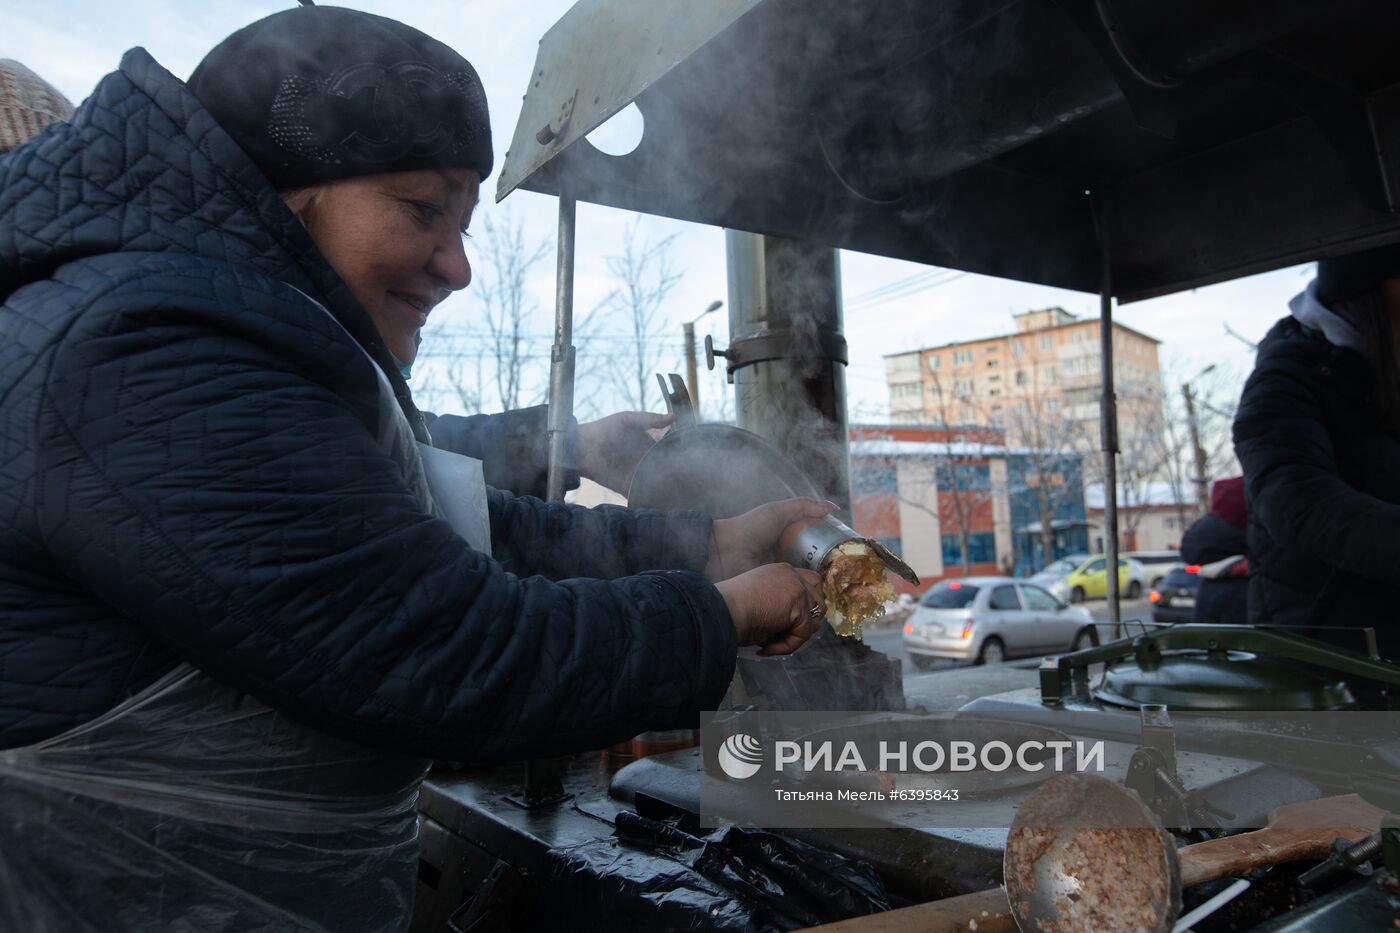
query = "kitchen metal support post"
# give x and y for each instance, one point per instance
(1108, 411)
(542, 782)
(561, 357)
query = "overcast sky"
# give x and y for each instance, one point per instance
(73, 43)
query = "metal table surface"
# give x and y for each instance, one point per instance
(475, 808)
(573, 847)
(475, 804)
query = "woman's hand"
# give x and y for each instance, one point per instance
(776, 605)
(610, 448)
(751, 540)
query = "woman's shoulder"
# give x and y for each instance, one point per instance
(163, 284)
(1297, 352)
(148, 311)
(1300, 379)
(1289, 339)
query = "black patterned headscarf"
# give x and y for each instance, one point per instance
(314, 94)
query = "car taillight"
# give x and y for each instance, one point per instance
(955, 585)
(908, 629)
(1192, 568)
(1154, 596)
(967, 628)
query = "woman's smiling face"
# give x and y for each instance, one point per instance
(396, 240)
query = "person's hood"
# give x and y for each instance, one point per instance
(1339, 331)
(143, 167)
(1227, 500)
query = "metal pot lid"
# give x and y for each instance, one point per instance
(1234, 680)
(718, 469)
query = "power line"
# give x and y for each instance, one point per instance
(895, 285)
(908, 292)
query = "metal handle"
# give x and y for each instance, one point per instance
(711, 353)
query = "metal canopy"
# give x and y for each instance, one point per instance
(1234, 138)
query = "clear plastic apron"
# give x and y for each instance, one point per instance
(194, 807)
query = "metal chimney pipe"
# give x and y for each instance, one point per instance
(787, 353)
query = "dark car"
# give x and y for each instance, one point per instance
(1174, 599)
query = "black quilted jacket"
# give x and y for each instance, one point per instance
(513, 447)
(1323, 485)
(188, 470)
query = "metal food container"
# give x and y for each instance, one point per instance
(814, 542)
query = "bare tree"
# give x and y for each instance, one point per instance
(1141, 454)
(644, 277)
(464, 352)
(506, 260)
(916, 485)
(1217, 399)
(464, 376)
(595, 370)
(1216, 396)
(957, 471)
(448, 375)
(1174, 450)
(1043, 422)
(953, 486)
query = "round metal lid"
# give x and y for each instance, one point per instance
(718, 469)
(1234, 680)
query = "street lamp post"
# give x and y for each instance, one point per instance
(691, 376)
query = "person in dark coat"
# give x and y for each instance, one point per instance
(235, 620)
(513, 446)
(1318, 435)
(1217, 543)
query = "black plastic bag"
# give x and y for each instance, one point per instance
(786, 884)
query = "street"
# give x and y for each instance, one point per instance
(890, 639)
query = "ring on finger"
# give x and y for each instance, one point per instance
(816, 611)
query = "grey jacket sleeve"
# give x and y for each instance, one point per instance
(513, 447)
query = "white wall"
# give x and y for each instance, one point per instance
(1157, 530)
(919, 534)
(1001, 512)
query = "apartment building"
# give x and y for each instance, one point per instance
(918, 488)
(1042, 383)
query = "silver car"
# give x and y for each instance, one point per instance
(1157, 564)
(990, 619)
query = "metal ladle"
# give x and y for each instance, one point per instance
(1085, 854)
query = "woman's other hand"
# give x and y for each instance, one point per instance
(776, 606)
(610, 448)
(751, 540)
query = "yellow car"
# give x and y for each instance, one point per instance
(1082, 577)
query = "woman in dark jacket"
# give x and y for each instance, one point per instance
(1316, 433)
(235, 619)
